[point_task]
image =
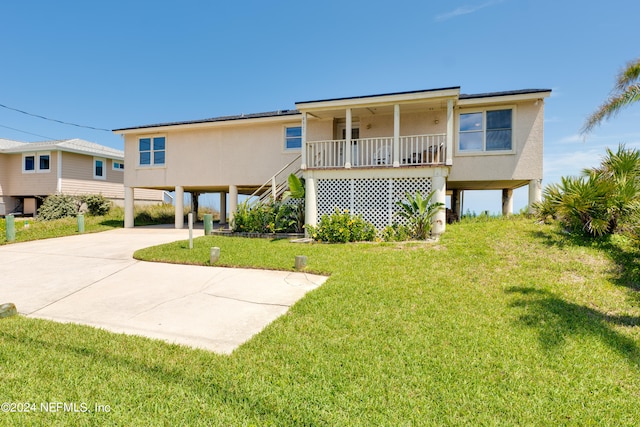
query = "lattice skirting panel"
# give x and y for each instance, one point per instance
(374, 199)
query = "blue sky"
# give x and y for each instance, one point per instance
(126, 63)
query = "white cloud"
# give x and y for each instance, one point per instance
(465, 10)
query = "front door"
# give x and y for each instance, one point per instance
(355, 135)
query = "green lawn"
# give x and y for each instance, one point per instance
(503, 322)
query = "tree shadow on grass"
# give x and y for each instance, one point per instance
(557, 319)
(626, 257)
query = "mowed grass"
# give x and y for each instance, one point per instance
(502, 322)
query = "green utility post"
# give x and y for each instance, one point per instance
(11, 228)
(208, 224)
(80, 223)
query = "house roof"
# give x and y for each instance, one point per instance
(382, 94)
(278, 113)
(8, 143)
(75, 145)
(294, 112)
(505, 93)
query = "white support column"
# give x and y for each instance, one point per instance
(178, 202)
(347, 149)
(303, 148)
(396, 135)
(223, 207)
(439, 187)
(450, 133)
(507, 201)
(535, 193)
(129, 215)
(233, 202)
(310, 202)
(59, 173)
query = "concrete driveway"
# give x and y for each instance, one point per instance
(92, 279)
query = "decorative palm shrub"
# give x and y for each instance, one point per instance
(604, 200)
(419, 211)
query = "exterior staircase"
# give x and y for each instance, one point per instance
(275, 187)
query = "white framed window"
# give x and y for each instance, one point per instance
(293, 138)
(151, 151)
(99, 168)
(28, 163)
(36, 162)
(488, 130)
(117, 165)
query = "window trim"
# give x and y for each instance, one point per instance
(24, 162)
(151, 151)
(102, 177)
(483, 110)
(286, 139)
(113, 165)
(36, 162)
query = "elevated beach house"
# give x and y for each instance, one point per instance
(358, 153)
(31, 171)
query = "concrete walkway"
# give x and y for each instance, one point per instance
(92, 279)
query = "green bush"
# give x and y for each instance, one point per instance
(58, 206)
(419, 213)
(271, 217)
(604, 200)
(396, 233)
(97, 204)
(342, 227)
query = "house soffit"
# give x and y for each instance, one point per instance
(417, 106)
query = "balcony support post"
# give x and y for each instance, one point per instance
(347, 137)
(396, 135)
(303, 148)
(449, 159)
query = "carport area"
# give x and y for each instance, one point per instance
(92, 279)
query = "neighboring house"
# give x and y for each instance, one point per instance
(31, 171)
(360, 153)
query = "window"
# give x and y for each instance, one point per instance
(118, 166)
(293, 138)
(152, 151)
(44, 162)
(36, 162)
(490, 130)
(98, 169)
(29, 163)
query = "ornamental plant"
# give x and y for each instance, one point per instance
(419, 211)
(342, 227)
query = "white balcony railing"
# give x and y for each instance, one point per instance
(414, 150)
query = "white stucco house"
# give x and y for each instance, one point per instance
(30, 171)
(358, 153)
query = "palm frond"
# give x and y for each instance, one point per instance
(629, 75)
(612, 107)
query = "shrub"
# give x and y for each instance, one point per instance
(271, 217)
(58, 206)
(97, 204)
(342, 227)
(604, 200)
(419, 212)
(396, 233)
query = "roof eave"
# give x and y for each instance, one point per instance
(190, 125)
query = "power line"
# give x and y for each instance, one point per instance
(30, 133)
(53, 120)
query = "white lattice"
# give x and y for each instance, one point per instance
(375, 199)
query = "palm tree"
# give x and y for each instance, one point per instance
(626, 91)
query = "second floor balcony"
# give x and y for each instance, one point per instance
(412, 150)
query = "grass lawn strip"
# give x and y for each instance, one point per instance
(502, 322)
